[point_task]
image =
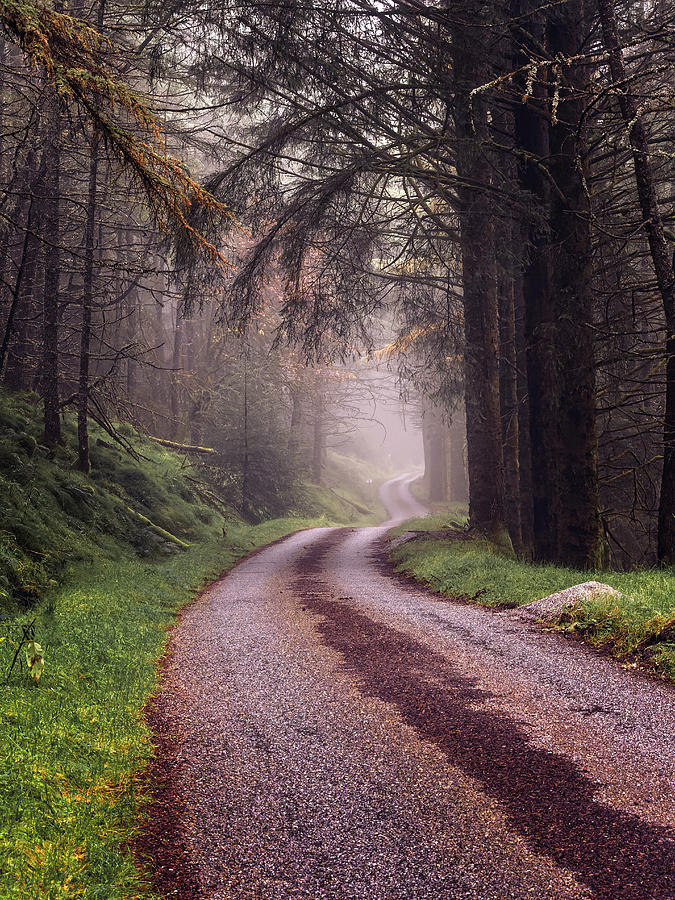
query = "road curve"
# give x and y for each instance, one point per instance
(325, 731)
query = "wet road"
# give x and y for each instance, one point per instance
(329, 732)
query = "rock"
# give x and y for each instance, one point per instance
(402, 539)
(554, 605)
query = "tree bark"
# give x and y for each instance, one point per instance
(297, 418)
(557, 299)
(83, 462)
(51, 208)
(18, 363)
(319, 436)
(246, 461)
(435, 456)
(459, 488)
(580, 536)
(508, 385)
(524, 448)
(481, 328)
(176, 386)
(532, 134)
(663, 268)
(28, 240)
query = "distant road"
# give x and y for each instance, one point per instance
(398, 501)
(328, 731)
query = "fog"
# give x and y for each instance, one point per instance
(384, 427)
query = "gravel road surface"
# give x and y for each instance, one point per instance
(326, 731)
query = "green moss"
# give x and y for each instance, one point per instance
(51, 514)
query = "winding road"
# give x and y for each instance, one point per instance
(325, 730)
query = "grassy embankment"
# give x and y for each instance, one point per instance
(101, 586)
(638, 627)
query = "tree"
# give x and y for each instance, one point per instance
(663, 267)
(78, 74)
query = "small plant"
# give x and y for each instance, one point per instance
(34, 653)
(35, 660)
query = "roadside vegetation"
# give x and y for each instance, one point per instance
(94, 568)
(637, 628)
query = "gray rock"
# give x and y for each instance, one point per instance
(554, 605)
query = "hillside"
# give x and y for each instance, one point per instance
(93, 569)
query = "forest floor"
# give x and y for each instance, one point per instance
(328, 732)
(637, 627)
(97, 587)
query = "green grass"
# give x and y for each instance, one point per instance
(638, 627)
(103, 587)
(71, 746)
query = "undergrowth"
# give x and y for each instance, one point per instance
(51, 515)
(98, 565)
(638, 627)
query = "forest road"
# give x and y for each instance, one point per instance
(326, 731)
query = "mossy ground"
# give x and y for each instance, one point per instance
(52, 516)
(638, 627)
(103, 588)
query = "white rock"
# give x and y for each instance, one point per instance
(555, 604)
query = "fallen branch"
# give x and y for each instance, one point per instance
(186, 448)
(160, 531)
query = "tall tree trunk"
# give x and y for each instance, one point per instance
(426, 447)
(297, 416)
(524, 448)
(502, 128)
(176, 380)
(3, 161)
(580, 537)
(434, 435)
(28, 240)
(51, 209)
(319, 435)
(481, 328)
(459, 488)
(18, 361)
(532, 133)
(508, 385)
(246, 462)
(134, 325)
(665, 277)
(557, 298)
(83, 462)
(5, 233)
(131, 315)
(15, 352)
